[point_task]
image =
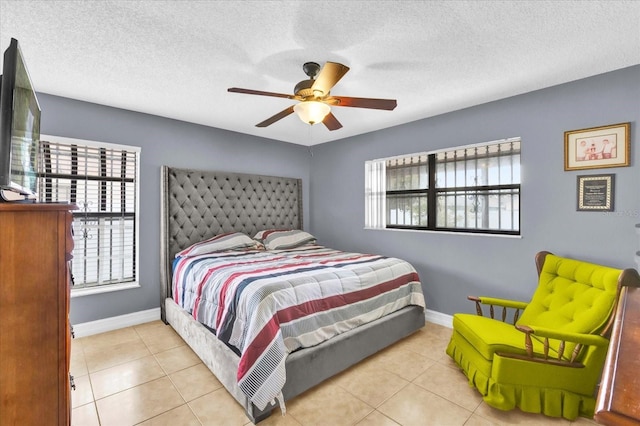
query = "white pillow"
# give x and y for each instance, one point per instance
(279, 239)
(222, 242)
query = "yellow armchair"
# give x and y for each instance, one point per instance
(549, 359)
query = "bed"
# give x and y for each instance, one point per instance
(198, 205)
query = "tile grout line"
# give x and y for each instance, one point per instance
(168, 376)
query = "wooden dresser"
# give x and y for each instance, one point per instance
(35, 246)
(618, 400)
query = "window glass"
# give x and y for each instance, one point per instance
(406, 190)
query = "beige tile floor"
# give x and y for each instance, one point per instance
(147, 375)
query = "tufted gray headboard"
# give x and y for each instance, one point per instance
(197, 205)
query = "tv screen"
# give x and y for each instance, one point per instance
(19, 125)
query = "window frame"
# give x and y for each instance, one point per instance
(114, 286)
(432, 191)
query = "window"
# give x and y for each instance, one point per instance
(467, 189)
(407, 191)
(102, 180)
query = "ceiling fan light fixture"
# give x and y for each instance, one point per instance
(312, 112)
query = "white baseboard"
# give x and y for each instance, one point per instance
(113, 323)
(439, 318)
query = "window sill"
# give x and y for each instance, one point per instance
(80, 292)
(428, 231)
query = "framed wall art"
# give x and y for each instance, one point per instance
(596, 193)
(597, 147)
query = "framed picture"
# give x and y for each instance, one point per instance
(596, 193)
(597, 147)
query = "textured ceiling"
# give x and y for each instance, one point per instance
(176, 59)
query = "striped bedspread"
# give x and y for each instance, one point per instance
(267, 304)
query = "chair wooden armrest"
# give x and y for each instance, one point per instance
(580, 340)
(503, 303)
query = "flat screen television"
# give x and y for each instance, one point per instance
(19, 127)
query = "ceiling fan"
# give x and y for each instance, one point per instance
(315, 98)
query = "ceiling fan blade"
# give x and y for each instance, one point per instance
(345, 101)
(279, 116)
(329, 75)
(331, 122)
(259, 92)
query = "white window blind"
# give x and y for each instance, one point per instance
(102, 181)
(375, 197)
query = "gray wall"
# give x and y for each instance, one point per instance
(454, 266)
(163, 142)
(450, 266)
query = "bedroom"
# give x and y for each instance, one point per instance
(452, 266)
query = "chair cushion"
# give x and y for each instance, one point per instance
(489, 336)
